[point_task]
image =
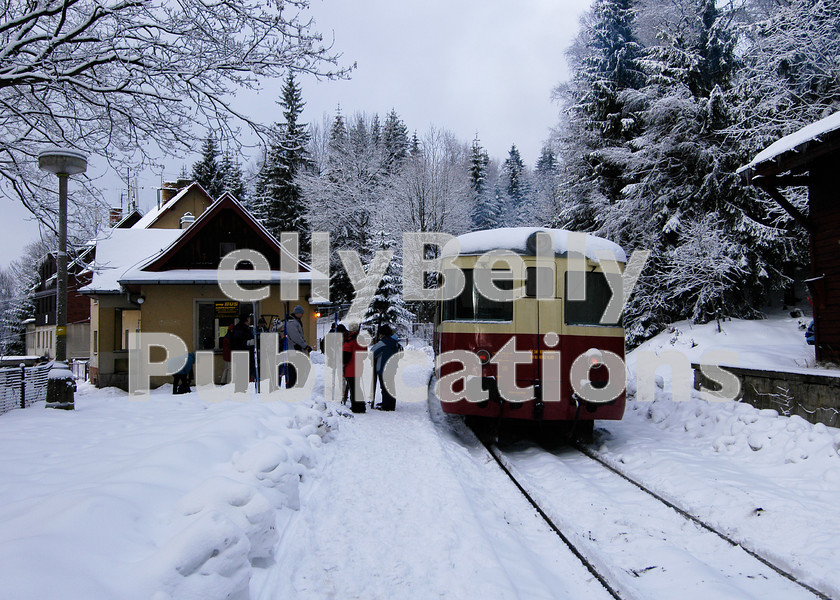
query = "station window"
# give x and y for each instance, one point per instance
(470, 305)
(214, 320)
(590, 310)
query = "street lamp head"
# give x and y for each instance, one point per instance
(63, 161)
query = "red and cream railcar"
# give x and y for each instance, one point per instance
(543, 317)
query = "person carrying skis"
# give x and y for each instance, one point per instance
(353, 358)
(383, 350)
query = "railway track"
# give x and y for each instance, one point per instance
(738, 569)
(572, 547)
(693, 518)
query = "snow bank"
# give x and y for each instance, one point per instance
(169, 498)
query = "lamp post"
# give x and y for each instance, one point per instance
(63, 162)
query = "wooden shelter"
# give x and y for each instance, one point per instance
(810, 157)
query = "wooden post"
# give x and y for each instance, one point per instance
(22, 385)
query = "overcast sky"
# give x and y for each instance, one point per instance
(483, 67)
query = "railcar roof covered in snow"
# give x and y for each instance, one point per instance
(515, 239)
(776, 158)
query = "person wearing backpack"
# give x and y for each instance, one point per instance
(383, 350)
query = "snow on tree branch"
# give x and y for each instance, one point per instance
(127, 79)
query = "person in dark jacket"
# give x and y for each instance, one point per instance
(352, 353)
(181, 379)
(383, 350)
(242, 338)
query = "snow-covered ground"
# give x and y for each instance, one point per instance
(771, 482)
(180, 498)
(169, 498)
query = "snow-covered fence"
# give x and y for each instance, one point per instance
(21, 387)
(80, 368)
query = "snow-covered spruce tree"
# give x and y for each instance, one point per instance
(599, 119)
(545, 187)
(11, 327)
(790, 75)
(484, 214)
(346, 196)
(207, 171)
(17, 287)
(101, 76)
(395, 142)
(230, 172)
(277, 196)
(388, 305)
(681, 182)
(516, 182)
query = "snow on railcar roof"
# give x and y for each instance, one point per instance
(515, 239)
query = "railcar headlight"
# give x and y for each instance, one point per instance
(594, 358)
(483, 356)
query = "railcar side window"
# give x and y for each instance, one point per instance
(470, 305)
(590, 310)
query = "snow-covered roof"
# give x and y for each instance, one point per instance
(515, 239)
(136, 275)
(124, 249)
(150, 217)
(795, 142)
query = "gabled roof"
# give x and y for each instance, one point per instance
(129, 220)
(156, 213)
(226, 201)
(155, 269)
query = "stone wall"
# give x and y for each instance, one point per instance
(813, 396)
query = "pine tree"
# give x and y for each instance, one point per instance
(483, 214)
(602, 116)
(231, 177)
(681, 183)
(395, 141)
(518, 209)
(207, 171)
(347, 196)
(789, 76)
(278, 202)
(17, 285)
(388, 305)
(545, 188)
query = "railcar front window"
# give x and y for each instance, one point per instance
(470, 305)
(590, 310)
